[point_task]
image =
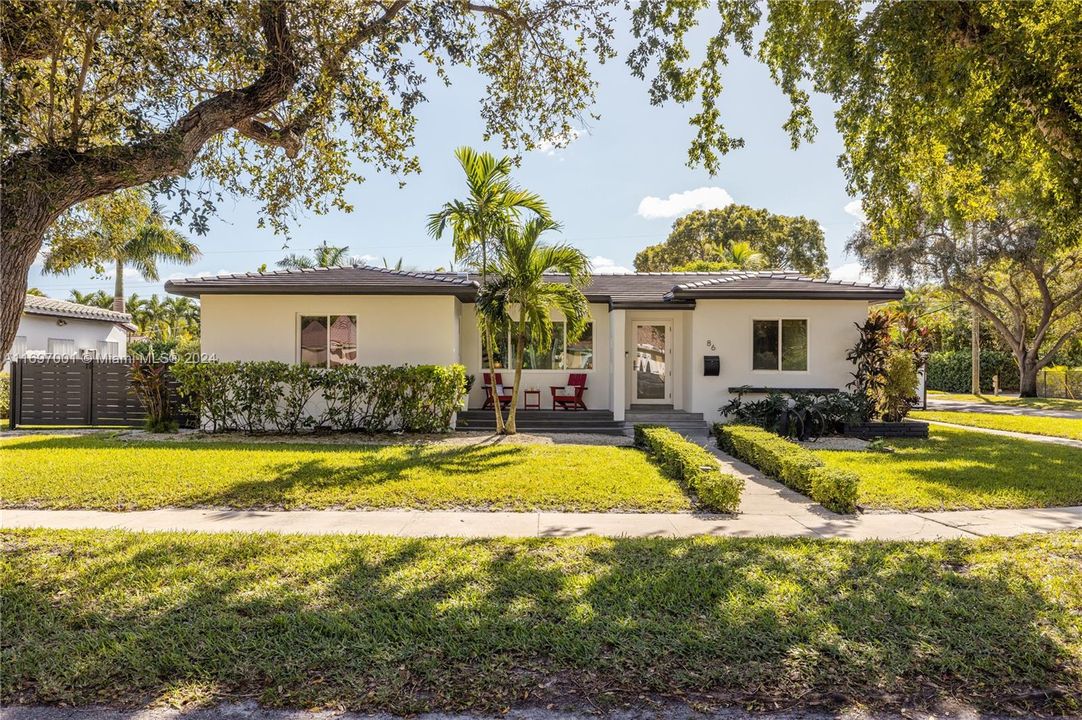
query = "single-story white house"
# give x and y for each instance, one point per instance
(674, 340)
(61, 328)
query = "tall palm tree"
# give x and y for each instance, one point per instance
(492, 204)
(323, 256)
(122, 230)
(520, 265)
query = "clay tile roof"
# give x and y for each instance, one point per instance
(36, 305)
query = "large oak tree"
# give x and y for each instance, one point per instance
(283, 101)
(275, 99)
(709, 236)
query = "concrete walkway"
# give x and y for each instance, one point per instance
(1010, 433)
(999, 409)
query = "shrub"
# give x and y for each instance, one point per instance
(693, 466)
(266, 396)
(150, 383)
(793, 465)
(5, 394)
(899, 386)
(950, 371)
(791, 414)
(834, 488)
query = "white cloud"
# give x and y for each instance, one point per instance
(677, 204)
(129, 274)
(364, 260)
(549, 146)
(851, 272)
(853, 208)
(606, 266)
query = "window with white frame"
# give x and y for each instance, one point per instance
(327, 340)
(780, 345)
(558, 355)
(61, 346)
(18, 348)
(108, 348)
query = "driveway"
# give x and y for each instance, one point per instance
(999, 409)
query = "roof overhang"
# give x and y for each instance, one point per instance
(870, 294)
(194, 290)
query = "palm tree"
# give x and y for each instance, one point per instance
(180, 315)
(98, 298)
(323, 256)
(122, 230)
(744, 257)
(493, 203)
(520, 264)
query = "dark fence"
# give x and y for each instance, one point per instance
(75, 392)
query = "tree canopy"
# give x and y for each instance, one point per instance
(727, 238)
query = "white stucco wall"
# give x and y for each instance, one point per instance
(37, 329)
(597, 381)
(728, 325)
(391, 329)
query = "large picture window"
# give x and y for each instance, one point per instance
(559, 355)
(779, 345)
(328, 340)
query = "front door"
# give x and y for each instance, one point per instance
(651, 369)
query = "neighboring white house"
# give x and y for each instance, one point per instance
(654, 339)
(61, 328)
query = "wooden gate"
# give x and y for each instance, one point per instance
(74, 392)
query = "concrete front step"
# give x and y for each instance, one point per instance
(642, 417)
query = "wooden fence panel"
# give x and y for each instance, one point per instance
(78, 392)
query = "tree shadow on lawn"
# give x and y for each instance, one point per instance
(952, 468)
(407, 625)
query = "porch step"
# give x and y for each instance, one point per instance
(599, 422)
(685, 423)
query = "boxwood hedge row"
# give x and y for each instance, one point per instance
(693, 466)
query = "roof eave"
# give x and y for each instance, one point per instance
(870, 294)
(194, 290)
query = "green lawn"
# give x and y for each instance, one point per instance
(1056, 427)
(111, 474)
(1041, 403)
(960, 469)
(406, 625)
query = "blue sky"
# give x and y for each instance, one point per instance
(616, 188)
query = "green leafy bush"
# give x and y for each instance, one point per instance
(693, 466)
(5, 395)
(899, 386)
(150, 383)
(790, 463)
(269, 396)
(950, 371)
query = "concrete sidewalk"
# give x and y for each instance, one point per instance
(821, 523)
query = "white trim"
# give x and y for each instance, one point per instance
(633, 357)
(779, 371)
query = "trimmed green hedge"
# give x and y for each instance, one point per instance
(793, 465)
(268, 396)
(693, 466)
(951, 371)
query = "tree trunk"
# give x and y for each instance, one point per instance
(489, 337)
(1027, 376)
(118, 287)
(20, 242)
(975, 354)
(519, 352)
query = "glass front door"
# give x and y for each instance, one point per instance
(652, 365)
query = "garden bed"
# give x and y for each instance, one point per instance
(882, 429)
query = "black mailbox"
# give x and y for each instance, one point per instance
(711, 365)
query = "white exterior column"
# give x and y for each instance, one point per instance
(617, 363)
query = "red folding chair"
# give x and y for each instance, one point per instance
(569, 397)
(502, 392)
